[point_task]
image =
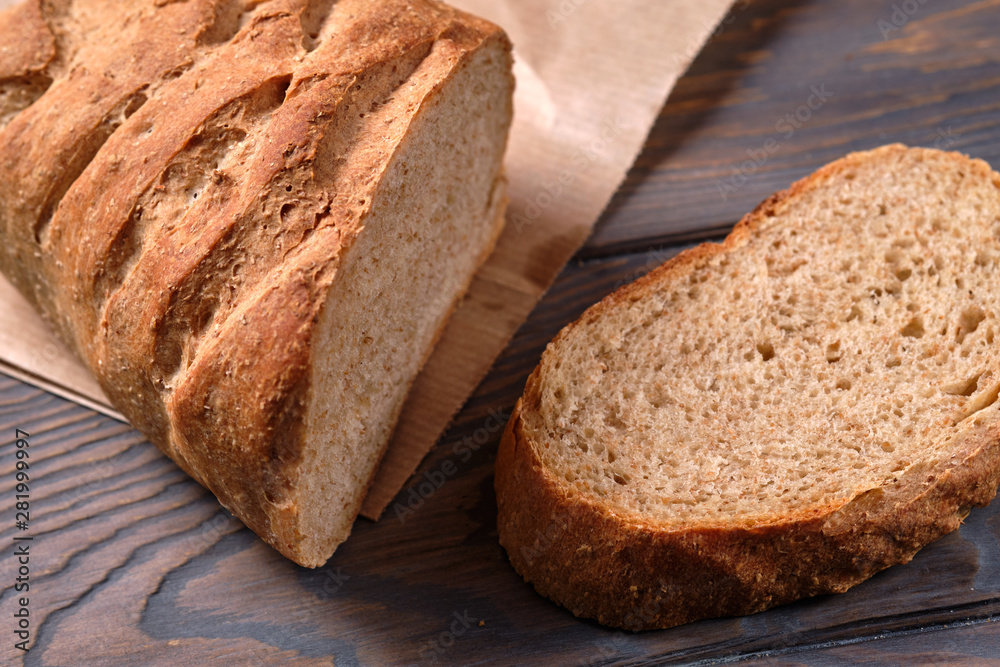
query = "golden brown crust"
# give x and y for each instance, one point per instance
(183, 227)
(637, 574)
(47, 145)
(29, 47)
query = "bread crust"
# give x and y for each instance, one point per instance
(183, 230)
(637, 573)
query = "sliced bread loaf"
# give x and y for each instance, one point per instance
(775, 417)
(251, 221)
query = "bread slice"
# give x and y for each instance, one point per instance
(778, 416)
(251, 221)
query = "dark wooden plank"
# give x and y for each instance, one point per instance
(962, 643)
(133, 563)
(724, 141)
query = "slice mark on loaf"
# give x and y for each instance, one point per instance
(300, 182)
(189, 277)
(189, 185)
(222, 231)
(113, 244)
(29, 52)
(828, 378)
(234, 89)
(47, 146)
(120, 79)
(375, 328)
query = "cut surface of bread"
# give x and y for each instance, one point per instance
(251, 220)
(774, 417)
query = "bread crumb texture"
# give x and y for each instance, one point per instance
(824, 372)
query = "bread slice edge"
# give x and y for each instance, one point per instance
(636, 573)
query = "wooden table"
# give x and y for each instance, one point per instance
(133, 563)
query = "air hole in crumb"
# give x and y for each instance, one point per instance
(963, 387)
(904, 274)
(887, 447)
(833, 352)
(893, 362)
(766, 351)
(983, 401)
(991, 397)
(914, 328)
(843, 384)
(969, 321)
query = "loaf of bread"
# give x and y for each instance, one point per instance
(778, 416)
(251, 220)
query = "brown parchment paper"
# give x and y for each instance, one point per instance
(592, 76)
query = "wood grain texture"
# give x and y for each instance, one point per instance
(133, 563)
(931, 82)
